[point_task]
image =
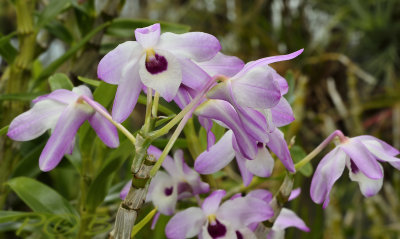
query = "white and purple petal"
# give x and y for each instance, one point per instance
(278, 146)
(222, 64)
(185, 224)
(197, 46)
(34, 122)
(64, 133)
(328, 171)
(217, 157)
(148, 37)
(111, 67)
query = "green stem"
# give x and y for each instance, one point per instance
(319, 148)
(164, 130)
(154, 110)
(106, 115)
(147, 117)
(170, 143)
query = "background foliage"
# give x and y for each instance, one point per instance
(347, 78)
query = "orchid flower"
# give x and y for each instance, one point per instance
(253, 91)
(159, 61)
(360, 155)
(63, 112)
(180, 181)
(228, 220)
(286, 218)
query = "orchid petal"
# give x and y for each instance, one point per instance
(386, 147)
(278, 145)
(167, 81)
(247, 176)
(283, 85)
(328, 171)
(263, 164)
(222, 64)
(256, 124)
(294, 194)
(256, 89)
(198, 46)
(182, 97)
(192, 75)
(127, 93)
(369, 187)
(185, 224)
(211, 203)
(34, 122)
(244, 211)
(268, 60)
(282, 113)
(61, 95)
(364, 160)
(67, 125)
(163, 193)
(82, 90)
(378, 151)
(111, 67)
(287, 218)
(106, 131)
(261, 194)
(223, 111)
(148, 36)
(217, 157)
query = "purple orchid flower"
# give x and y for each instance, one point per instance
(63, 112)
(161, 62)
(286, 218)
(166, 188)
(228, 220)
(252, 156)
(360, 155)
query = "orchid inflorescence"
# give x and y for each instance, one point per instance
(246, 99)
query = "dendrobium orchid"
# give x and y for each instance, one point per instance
(180, 181)
(361, 156)
(158, 61)
(228, 220)
(63, 112)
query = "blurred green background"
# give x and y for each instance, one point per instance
(347, 78)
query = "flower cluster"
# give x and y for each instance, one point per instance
(246, 99)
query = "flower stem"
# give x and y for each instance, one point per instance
(154, 109)
(164, 130)
(147, 118)
(319, 148)
(106, 115)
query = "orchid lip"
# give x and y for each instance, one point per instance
(216, 229)
(155, 63)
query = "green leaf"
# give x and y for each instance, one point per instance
(29, 165)
(95, 83)
(4, 130)
(51, 11)
(99, 188)
(60, 81)
(41, 198)
(60, 31)
(143, 222)
(298, 154)
(7, 51)
(20, 96)
(125, 27)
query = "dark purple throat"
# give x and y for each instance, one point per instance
(216, 230)
(156, 64)
(168, 191)
(353, 166)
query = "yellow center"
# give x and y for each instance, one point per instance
(150, 54)
(212, 218)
